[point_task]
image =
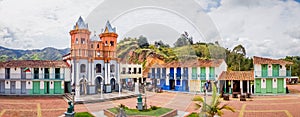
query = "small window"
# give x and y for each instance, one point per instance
(82, 40)
(140, 70)
(98, 68)
(98, 46)
(123, 70)
(112, 68)
(92, 46)
(76, 40)
(111, 43)
(82, 68)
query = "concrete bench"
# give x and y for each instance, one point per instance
(226, 97)
(242, 97)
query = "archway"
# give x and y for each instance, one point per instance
(99, 84)
(112, 84)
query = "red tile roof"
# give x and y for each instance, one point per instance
(237, 75)
(33, 63)
(261, 60)
(194, 63)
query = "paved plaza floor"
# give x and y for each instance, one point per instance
(258, 106)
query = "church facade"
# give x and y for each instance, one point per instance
(93, 59)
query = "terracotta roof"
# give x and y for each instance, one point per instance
(261, 60)
(194, 63)
(33, 63)
(237, 75)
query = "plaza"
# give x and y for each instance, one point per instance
(258, 106)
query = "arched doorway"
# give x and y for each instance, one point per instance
(83, 86)
(113, 84)
(99, 84)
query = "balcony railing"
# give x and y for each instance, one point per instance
(178, 76)
(212, 77)
(157, 75)
(29, 76)
(163, 75)
(151, 75)
(194, 76)
(185, 76)
(272, 74)
(202, 76)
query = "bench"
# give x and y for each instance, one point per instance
(235, 94)
(248, 95)
(243, 98)
(225, 97)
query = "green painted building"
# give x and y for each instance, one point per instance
(34, 77)
(270, 75)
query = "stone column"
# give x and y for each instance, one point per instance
(241, 86)
(247, 86)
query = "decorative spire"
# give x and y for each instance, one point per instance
(95, 37)
(80, 24)
(108, 28)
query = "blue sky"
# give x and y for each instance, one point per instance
(268, 28)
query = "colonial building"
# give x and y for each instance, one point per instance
(130, 75)
(95, 66)
(240, 82)
(188, 75)
(34, 77)
(270, 75)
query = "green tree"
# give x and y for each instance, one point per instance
(143, 42)
(184, 40)
(215, 107)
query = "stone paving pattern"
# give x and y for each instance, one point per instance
(258, 106)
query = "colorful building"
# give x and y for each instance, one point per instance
(34, 77)
(131, 74)
(93, 59)
(239, 82)
(270, 75)
(189, 75)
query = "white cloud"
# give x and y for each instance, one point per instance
(269, 26)
(264, 27)
(38, 24)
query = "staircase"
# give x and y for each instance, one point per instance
(69, 96)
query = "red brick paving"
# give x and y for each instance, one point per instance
(56, 106)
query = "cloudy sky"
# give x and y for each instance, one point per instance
(267, 28)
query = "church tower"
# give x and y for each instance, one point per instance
(80, 38)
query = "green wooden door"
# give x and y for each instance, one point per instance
(275, 70)
(269, 86)
(194, 73)
(258, 85)
(202, 73)
(264, 70)
(46, 87)
(57, 87)
(36, 87)
(280, 88)
(211, 73)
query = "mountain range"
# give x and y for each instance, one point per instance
(48, 53)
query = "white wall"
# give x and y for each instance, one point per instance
(257, 70)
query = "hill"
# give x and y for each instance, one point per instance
(48, 53)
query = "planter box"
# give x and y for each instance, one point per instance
(172, 113)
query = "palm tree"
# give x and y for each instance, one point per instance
(214, 108)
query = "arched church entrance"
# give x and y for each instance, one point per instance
(113, 84)
(99, 84)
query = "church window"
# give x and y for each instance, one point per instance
(91, 45)
(76, 40)
(82, 40)
(111, 43)
(98, 68)
(82, 68)
(112, 68)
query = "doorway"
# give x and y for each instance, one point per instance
(46, 87)
(112, 83)
(172, 84)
